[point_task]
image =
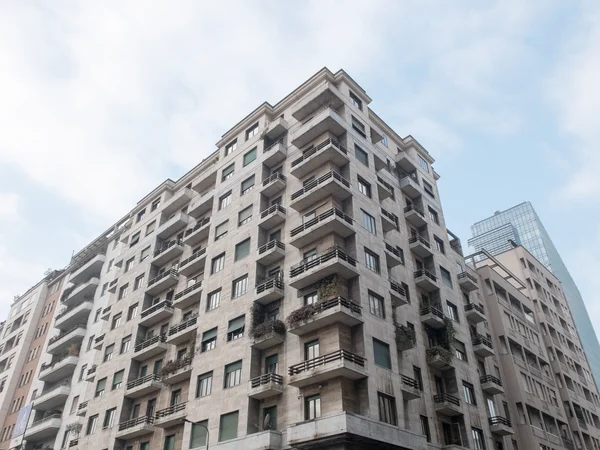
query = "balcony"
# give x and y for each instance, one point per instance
(440, 358)
(420, 246)
(272, 216)
(410, 187)
(90, 269)
(482, 346)
(58, 370)
(331, 221)
(405, 337)
(173, 225)
(276, 128)
(143, 386)
(467, 281)
(266, 386)
(426, 280)
(137, 427)
(177, 201)
(330, 184)
(91, 373)
(500, 425)
(447, 404)
(82, 409)
(176, 371)
(328, 151)
(52, 397)
(415, 216)
(405, 162)
(167, 252)
(340, 363)
(99, 342)
(270, 252)
(197, 233)
(162, 282)
(112, 286)
(332, 261)
(491, 385)
(323, 314)
(194, 263)
(384, 189)
(268, 334)
(274, 154)
(208, 178)
(432, 316)
(156, 313)
(475, 313)
(77, 293)
(326, 94)
(411, 388)
(389, 221)
(171, 416)
(43, 429)
(183, 332)
(58, 345)
(202, 204)
(150, 347)
(325, 121)
(188, 296)
(269, 290)
(74, 315)
(393, 255)
(398, 294)
(273, 184)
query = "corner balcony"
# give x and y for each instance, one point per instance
(112, 286)
(415, 216)
(405, 337)
(143, 386)
(273, 184)
(173, 225)
(420, 246)
(177, 201)
(156, 313)
(171, 416)
(410, 187)
(188, 296)
(194, 263)
(150, 347)
(482, 346)
(58, 345)
(185, 331)
(389, 221)
(426, 280)
(447, 404)
(90, 269)
(269, 290)
(325, 121)
(162, 282)
(176, 371)
(475, 313)
(326, 94)
(51, 373)
(270, 252)
(274, 154)
(330, 184)
(276, 128)
(340, 363)
(384, 189)
(491, 385)
(167, 252)
(432, 316)
(467, 281)
(398, 294)
(82, 408)
(43, 429)
(500, 425)
(272, 216)
(331, 221)
(197, 233)
(268, 334)
(202, 204)
(266, 386)
(411, 388)
(73, 315)
(137, 427)
(323, 314)
(77, 293)
(328, 151)
(105, 314)
(332, 261)
(405, 162)
(393, 255)
(52, 397)
(440, 358)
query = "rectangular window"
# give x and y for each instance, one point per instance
(150, 227)
(198, 434)
(439, 245)
(310, 299)
(109, 418)
(228, 424)
(311, 350)
(424, 165)
(92, 424)
(359, 127)
(355, 100)
(249, 156)
(217, 263)
(428, 189)
(369, 222)
(372, 261)
(445, 276)
(116, 321)
(469, 393)
(459, 351)
(123, 291)
(204, 384)
(155, 204)
(247, 185)
(139, 282)
(361, 155)
(433, 215)
(227, 172)
(425, 428)
(214, 300)
(100, 387)
(245, 216)
(252, 131)
(135, 239)
(242, 249)
(452, 311)
(478, 438)
(381, 352)
(209, 339)
(230, 148)
(225, 200)
(239, 287)
(129, 264)
(118, 379)
(169, 442)
(233, 374)
(387, 409)
(145, 253)
(376, 305)
(132, 312)
(235, 329)
(221, 230)
(125, 344)
(312, 407)
(108, 352)
(364, 187)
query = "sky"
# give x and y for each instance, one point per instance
(102, 101)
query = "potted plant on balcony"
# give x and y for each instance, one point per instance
(328, 288)
(442, 353)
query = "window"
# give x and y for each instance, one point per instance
(311, 350)
(104, 289)
(425, 428)
(446, 278)
(139, 281)
(424, 165)
(218, 263)
(225, 200)
(364, 187)
(82, 372)
(204, 384)
(245, 216)
(110, 265)
(74, 404)
(428, 188)
(221, 230)
(132, 312)
(116, 321)
(155, 204)
(385, 141)
(469, 393)
(249, 157)
(372, 261)
(242, 249)
(135, 239)
(452, 311)
(209, 339)
(233, 374)
(227, 172)
(100, 387)
(123, 291)
(109, 418)
(247, 185)
(252, 131)
(312, 407)
(310, 299)
(108, 352)
(361, 155)
(235, 330)
(272, 363)
(359, 127)
(387, 409)
(355, 100)
(198, 434)
(381, 351)
(91, 426)
(228, 424)
(433, 215)
(118, 379)
(214, 300)
(129, 264)
(239, 287)
(169, 442)
(459, 351)
(125, 344)
(150, 227)
(439, 244)
(230, 148)
(145, 253)
(478, 438)
(369, 222)
(376, 305)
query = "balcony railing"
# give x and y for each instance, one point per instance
(83, 405)
(166, 246)
(266, 378)
(387, 185)
(270, 245)
(433, 310)
(272, 146)
(271, 210)
(52, 388)
(442, 398)
(310, 263)
(422, 240)
(317, 148)
(187, 290)
(273, 177)
(159, 277)
(339, 355)
(490, 379)
(150, 342)
(391, 216)
(319, 307)
(170, 410)
(45, 419)
(480, 339)
(54, 363)
(70, 308)
(394, 250)
(143, 380)
(499, 420)
(410, 382)
(396, 287)
(183, 325)
(193, 257)
(321, 217)
(92, 369)
(468, 276)
(157, 307)
(474, 306)
(425, 273)
(66, 333)
(315, 183)
(143, 420)
(196, 227)
(270, 283)
(412, 207)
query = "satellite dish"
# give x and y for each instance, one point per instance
(267, 422)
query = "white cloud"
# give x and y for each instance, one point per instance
(9, 206)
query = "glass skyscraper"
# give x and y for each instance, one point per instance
(522, 225)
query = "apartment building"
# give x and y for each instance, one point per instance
(22, 343)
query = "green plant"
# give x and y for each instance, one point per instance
(75, 427)
(448, 334)
(405, 335)
(444, 354)
(264, 328)
(256, 315)
(169, 367)
(301, 314)
(328, 287)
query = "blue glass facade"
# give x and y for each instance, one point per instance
(522, 225)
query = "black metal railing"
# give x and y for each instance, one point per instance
(99, 339)
(319, 307)
(170, 410)
(499, 420)
(433, 310)
(273, 177)
(474, 307)
(395, 251)
(187, 290)
(167, 245)
(271, 245)
(420, 239)
(412, 207)
(333, 212)
(196, 255)
(443, 398)
(174, 366)
(317, 148)
(481, 339)
(266, 379)
(397, 288)
(196, 227)
(183, 325)
(490, 379)
(83, 405)
(339, 355)
(408, 381)
(269, 283)
(309, 263)
(468, 276)
(387, 185)
(150, 342)
(315, 183)
(92, 370)
(156, 307)
(165, 274)
(272, 210)
(143, 380)
(391, 216)
(425, 273)
(142, 420)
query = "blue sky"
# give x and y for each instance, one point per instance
(101, 101)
